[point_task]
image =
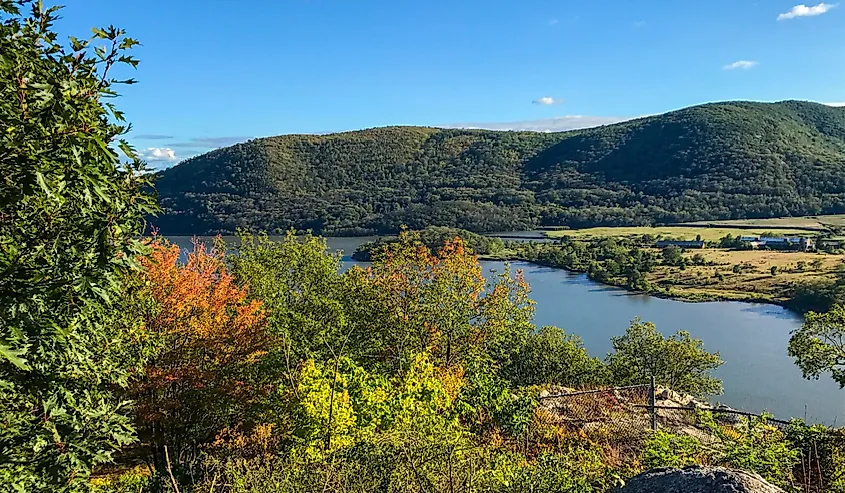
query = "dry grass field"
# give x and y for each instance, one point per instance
(754, 281)
(676, 232)
(713, 230)
(815, 223)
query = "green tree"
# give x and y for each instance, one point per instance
(550, 355)
(69, 218)
(673, 255)
(818, 345)
(308, 301)
(678, 362)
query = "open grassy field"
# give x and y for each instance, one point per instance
(713, 230)
(814, 223)
(754, 282)
(676, 232)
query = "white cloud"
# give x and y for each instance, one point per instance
(552, 22)
(638, 24)
(841, 104)
(804, 11)
(741, 64)
(547, 101)
(557, 124)
(159, 154)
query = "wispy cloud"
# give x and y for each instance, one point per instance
(741, 64)
(547, 101)
(557, 124)
(209, 142)
(553, 22)
(638, 24)
(805, 11)
(152, 137)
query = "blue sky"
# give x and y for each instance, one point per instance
(215, 72)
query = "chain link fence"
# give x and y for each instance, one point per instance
(638, 409)
(625, 417)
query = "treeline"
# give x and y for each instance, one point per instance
(718, 161)
(607, 260)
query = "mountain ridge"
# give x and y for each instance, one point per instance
(727, 160)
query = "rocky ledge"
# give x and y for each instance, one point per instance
(698, 479)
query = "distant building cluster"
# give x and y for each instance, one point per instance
(780, 243)
(787, 242)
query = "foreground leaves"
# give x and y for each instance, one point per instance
(69, 216)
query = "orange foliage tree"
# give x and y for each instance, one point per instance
(204, 338)
(440, 302)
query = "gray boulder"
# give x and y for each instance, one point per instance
(698, 479)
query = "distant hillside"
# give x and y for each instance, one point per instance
(731, 160)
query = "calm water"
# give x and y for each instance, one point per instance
(752, 338)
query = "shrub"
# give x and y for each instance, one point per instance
(551, 356)
(754, 445)
(664, 449)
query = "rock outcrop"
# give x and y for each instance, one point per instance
(697, 479)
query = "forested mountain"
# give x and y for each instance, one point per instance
(716, 161)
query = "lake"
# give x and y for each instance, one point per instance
(752, 338)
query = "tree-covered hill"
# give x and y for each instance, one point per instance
(715, 161)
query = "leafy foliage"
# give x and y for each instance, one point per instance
(203, 337)
(457, 315)
(754, 445)
(817, 346)
(69, 216)
(412, 375)
(729, 160)
(664, 449)
(551, 356)
(751, 445)
(678, 362)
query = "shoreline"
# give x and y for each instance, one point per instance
(686, 298)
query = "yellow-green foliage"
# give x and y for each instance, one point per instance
(334, 410)
(752, 444)
(664, 449)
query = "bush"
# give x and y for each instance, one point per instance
(664, 449)
(551, 356)
(754, 445)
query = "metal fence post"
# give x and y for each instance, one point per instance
(652, 399)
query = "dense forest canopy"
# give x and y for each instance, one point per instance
(716, 161)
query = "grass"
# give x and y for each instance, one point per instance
(812, 223)
(718, 281)
(676, 232)
(754, 283)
